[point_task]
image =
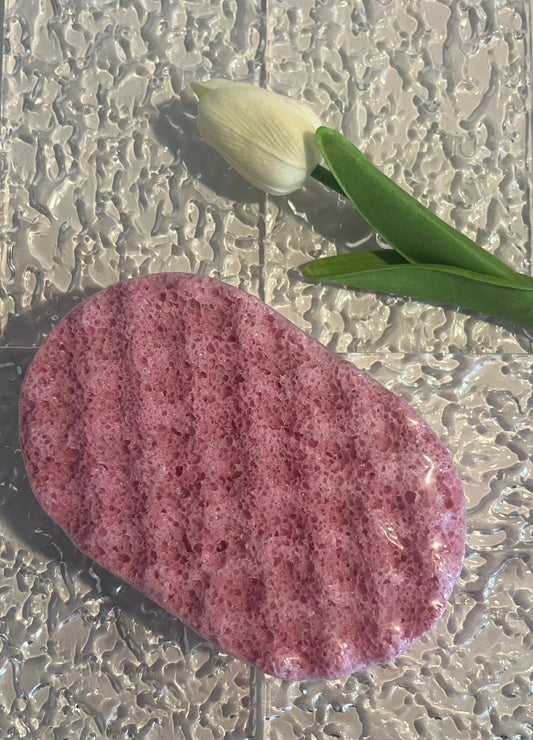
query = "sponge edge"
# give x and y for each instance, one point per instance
(279, 501)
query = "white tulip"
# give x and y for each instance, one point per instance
(268, 138)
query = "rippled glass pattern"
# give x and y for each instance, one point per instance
(103, 177)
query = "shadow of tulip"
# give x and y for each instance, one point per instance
(175, 128)
(327, 213)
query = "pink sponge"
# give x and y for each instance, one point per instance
(200, 447)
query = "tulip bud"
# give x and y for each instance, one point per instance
(268, 138)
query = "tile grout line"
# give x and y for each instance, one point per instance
(528, 12)
(257, 680)
(529, 127)
(3, 38)
(263, 204)
(4, 199)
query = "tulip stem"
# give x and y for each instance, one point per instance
(327, 178)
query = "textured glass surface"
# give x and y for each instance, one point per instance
(103, 177)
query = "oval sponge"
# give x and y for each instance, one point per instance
(205, 450)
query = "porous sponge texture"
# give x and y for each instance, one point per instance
(205, 450)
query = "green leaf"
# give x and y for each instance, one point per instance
(344, 264)
(408, 226)
(386, 272)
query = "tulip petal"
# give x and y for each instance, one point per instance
(268, 138)
(201, 88)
